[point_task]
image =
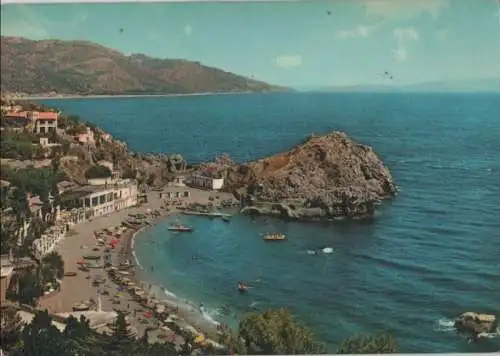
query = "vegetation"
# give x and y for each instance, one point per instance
(49, 62)
(276, 332)
(375, 344)
(38, 181)
(98, 172)
(262, 334)
(76, 129)
(17, 145)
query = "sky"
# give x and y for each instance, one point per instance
(296, 44)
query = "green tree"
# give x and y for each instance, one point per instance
(97, 172)
(276, 332)
(10, 331)
(121, 341)
(55, 263)
(374, 344)
(29, 288)
(41, 338)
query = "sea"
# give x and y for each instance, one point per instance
(431, 253)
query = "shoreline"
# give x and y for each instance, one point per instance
(112, 96)
(80, 288)
(188, 311)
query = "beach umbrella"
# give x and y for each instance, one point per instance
(148, 314)
(199, 339)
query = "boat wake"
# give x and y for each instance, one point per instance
(444, 325)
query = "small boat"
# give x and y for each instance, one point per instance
(70, 274)
(242, 287)
(81, 307)
(180, 228)
(226, 218)
(275, 237)
(91, 257)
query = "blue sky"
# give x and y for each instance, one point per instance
(289, 43)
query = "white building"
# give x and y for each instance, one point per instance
(84, 203)
(205, 182)
(103, 199)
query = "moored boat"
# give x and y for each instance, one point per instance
(275, 237)
(242, 287)
(180, 228)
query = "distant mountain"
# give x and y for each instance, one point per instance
(484, 85)
(86, 68)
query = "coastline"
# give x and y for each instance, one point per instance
(80, 288)
(111, 96)
(189, 313)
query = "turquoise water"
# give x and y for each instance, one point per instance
(428, 255)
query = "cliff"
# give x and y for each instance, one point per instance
(326, 177)
(55, 67)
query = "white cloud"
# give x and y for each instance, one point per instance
(406, 34)
(188, 30)
(289, 61)
(404, 9)
(403, 36)
(400, 54)
(358, 32)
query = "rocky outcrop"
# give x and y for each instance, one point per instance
(476, 325)
(326, 177)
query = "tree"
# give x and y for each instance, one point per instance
(121, 340)
(276, 332)
(41, 338)
(28, 288)
(374, 344)
(10, 331)
(55, 263)
(98, 172)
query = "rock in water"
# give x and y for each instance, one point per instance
(325, 177)
(475, 325)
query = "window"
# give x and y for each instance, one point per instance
(102, 199)
(95, 201)
(87, 201)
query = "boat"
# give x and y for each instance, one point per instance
(226, 218)
(242, 287)
(275, 237)
(91, 257)
(180, 228)
(70, 274)
(81, 307)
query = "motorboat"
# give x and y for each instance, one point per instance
(275, 237)
(180, 228)
(242, 287)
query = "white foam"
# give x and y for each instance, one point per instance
(209, 314)
(444, 325)
(327, 250)
(169, 293)
(137, 263)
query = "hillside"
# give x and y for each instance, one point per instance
(85, 68)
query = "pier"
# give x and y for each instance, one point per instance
(212, 215)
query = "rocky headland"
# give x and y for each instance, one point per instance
(476, 325)
(325, 177)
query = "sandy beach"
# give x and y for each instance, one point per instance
(79, 288)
